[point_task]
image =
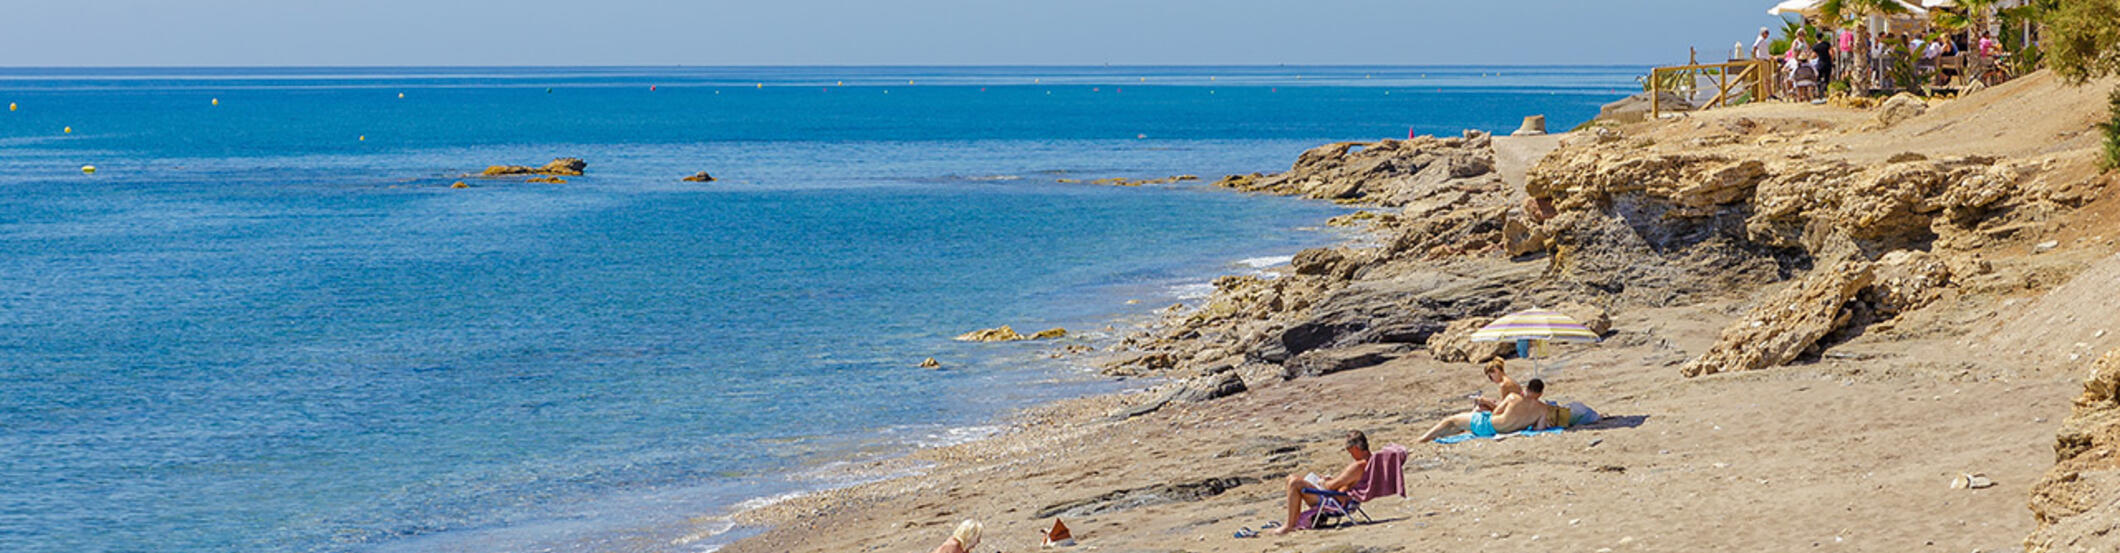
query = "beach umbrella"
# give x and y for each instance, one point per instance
(1806, 8)
(1534, 325)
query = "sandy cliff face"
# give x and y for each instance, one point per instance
(2077, 504)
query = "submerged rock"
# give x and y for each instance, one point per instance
(549, 180)
(1050, 333)
(930, 363)
(701, 176)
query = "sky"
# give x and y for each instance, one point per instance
(868, 32)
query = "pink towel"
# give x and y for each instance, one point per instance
(1386, 475)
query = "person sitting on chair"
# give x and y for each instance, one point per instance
(1358, 448)
(1514, 413)
(1497, 374)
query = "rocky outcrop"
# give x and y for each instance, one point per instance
(547, 180)
(565, 166)
(1454, 344)
(701, 176)
(1636, 107)
(1593, 317)
(1211, 388)
(1403, 310)
(1327, 361)
(1533, 126)
(1900, 107)
(1159, 494)
(1786, 323)
(1050, 333)
(1798, 202)
(2077, 503)
(1121, 181)
(1002, 334)
(1388, 172)
(1433, 200)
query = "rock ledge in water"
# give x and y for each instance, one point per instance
(1002, 334)
(565, 166)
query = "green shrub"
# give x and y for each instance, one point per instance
(2083, 39)
(2112, 130)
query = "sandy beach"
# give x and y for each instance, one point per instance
(1730, 422)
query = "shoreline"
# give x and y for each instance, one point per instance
(1683, 435)
(759, 519)
(856, 468)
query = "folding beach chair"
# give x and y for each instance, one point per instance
(1386, 476)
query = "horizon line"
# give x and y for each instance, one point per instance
(476, 66)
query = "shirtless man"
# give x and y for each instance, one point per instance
(1357, 447)
(1496, 375)
(1514, 413)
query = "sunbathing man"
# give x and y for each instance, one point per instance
(1512, 414)
(1357, 447)
(1496, 375)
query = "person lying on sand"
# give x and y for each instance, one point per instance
(1514, 413)
(1358, 448)
(963, 540)
(1496, 374)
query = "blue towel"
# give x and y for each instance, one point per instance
(1455, 438)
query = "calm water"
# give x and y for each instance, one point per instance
(269, 325)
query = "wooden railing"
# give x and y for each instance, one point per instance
(1730, 79)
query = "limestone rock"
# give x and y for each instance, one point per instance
(1533, 126)
(1406, 310)
(1454, 344)
(701, 176)
(1786, 323)
(1908, 280)
(1050, 333)
(931, 363)
(2077, 502)
(1142, 364)
(1002, 334)
(1519, 239)
(1636, 107)
(1387, 172)
(1327, 361)
(1318, 261)
(1900, 107)
(1593, 317)
(547, 180)
(565, 166)
(459, 184)
(1212, 387)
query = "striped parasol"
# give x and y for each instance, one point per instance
(1534, 324)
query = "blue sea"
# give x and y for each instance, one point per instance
(268, 323)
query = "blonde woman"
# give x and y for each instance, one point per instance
(963, 540)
